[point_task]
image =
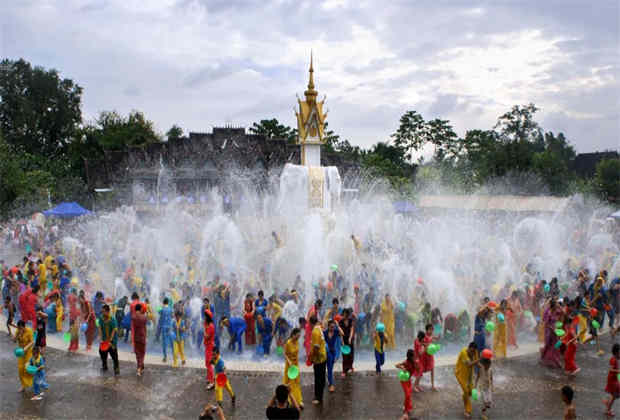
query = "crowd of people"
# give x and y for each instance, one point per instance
(43, 294)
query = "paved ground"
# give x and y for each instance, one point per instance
(78, 390)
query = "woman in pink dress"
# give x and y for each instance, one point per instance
(549, 354)
(248, 315)
(74, 310)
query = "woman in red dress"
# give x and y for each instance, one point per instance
(613, 386)
(428, 360)
(248, 315)
(419, 350)
(569, 340)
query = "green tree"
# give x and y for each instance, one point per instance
(442, 136)
(39, 111)
(174, 133)
(411, 133)
(607, 179)
(272, 129)
(19, 182)
(554, 164)
(115, 132)
(414, 133)
(390, 162)
(518, 124)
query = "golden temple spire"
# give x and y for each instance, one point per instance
(311, 94)
(311, 82)
(310, 117)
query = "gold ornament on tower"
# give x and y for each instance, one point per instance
(310, 117)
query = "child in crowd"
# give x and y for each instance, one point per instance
(38, 379)
(10, 309)
(410, 366)
(178, 344)
(613, 386)
(220, 369)
(75, 335)
(570, 342)
(379, 340)
(419, 351)
(484, 383)
(569, 407)
(428, 360)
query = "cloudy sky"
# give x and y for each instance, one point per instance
(205, 63)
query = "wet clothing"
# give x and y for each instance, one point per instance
(236, 328)
(23, 341)
(613, 386)
(463, 373)
(379, 351)
(479, 333)
(266, 334)
(347, 329)
(165, 325)
(291, 351)
(138, 322)
(38, 379)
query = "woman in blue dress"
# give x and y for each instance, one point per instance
(479, 331)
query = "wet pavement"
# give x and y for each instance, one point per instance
(78, 390)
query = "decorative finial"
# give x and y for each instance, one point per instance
(311, 82)
(311, 94)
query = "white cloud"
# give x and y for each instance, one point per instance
(199, 63)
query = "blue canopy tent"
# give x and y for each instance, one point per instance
(67, 210)
(404, 207)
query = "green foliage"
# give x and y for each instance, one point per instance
(607, 179)
(174, 133)
(39, 111)
(517, 149)
(115, 132)
(414, 133)
(389, 162)
(411, 133)
(518, 125)
(19, 180)
(272, 129)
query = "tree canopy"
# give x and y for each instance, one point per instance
(39, 111)
(272, 129)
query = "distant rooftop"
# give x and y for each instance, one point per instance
(514, 203)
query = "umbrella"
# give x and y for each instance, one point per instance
(404, 207)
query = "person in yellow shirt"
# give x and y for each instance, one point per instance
(60, 313)
(54, 268)
(25, 340)
(274, 308)
(178, 343)
(499, 335)
(463, 371)
(42, 277)
(291, 357)
(48, 260)
(319, 359)
(387, 316)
